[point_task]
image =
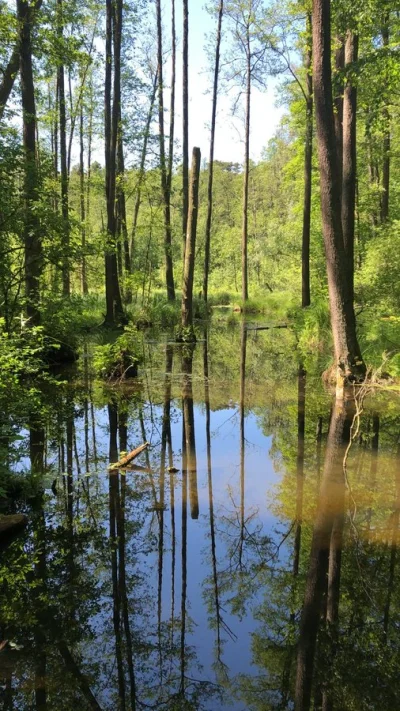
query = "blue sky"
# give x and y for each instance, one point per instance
(229, 137)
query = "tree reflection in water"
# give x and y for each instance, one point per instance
(223, 585)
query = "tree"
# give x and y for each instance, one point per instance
(114, 310)
(32, 230)
(185, 122)
(169, 270)
(187, 333)
(348, 360)
(349, 161)
(305, 255)
(211, 158)
(247, 66)
(63, 152)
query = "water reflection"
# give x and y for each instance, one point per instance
(235, 565)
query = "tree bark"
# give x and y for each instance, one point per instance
(349, 170)
(11, 70)
(245, 287)
(9, 75)
(84, 282)
(207, 242)
(169, 270)
(63, 155)
(305, 252)
(347, 351)
(190, 251)
(172, 101)
(338, 101)
(386, 138)
(142, 170)
(114, 311)
(185, 124)
(121, 201)
(32, 236)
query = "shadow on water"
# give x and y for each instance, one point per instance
(260, 575)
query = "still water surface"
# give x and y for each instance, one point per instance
(237, 565)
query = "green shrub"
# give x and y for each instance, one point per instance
(118, 359)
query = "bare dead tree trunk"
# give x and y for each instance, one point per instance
(347, 351)
(349, 156)
(305, 252)
(114, 310)
(207, 243)
(190, 251)
(32, 236)
(386, 138)
(185, 124)
(245, 287)
(169, 270)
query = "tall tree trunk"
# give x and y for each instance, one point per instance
(63, 155)
(190, 251)
(32, 236)
(172, 100)
(305, 252)
(89, 166)
(349, 156)
(245, 287)
(142, 170)
(121, 202)
(348, 358)
(386, 138)
(7, 82)
(169, 271)
(207, 242)
(84, 282)
(114, 311)
(185, 124)
(11, 70)
(338, 101)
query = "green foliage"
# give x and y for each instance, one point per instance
(118, 360)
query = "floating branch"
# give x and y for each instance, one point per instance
(128, 458)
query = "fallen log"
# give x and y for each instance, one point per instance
(267, 328)
(128, 458)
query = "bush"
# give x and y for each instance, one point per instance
(118, 360)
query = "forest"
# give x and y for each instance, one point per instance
(106, 237)
(199, 355)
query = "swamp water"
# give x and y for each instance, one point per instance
(236, 565)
